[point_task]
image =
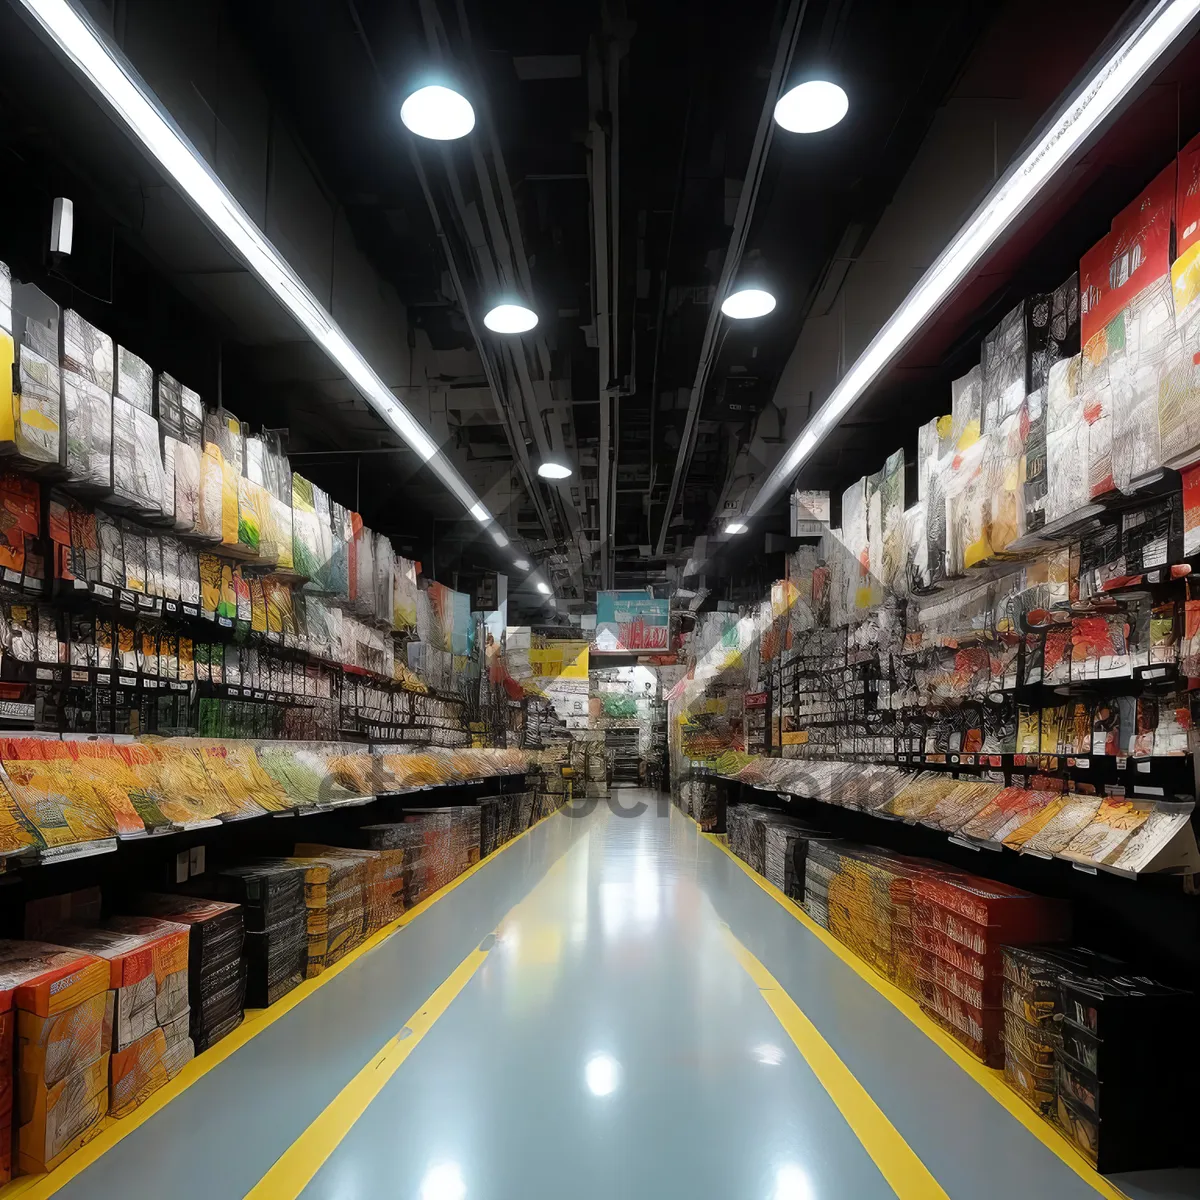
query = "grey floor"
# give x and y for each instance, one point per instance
(610, 1046)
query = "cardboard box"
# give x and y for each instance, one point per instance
(49, 1049)
(149, 961)
(139, 1071)
(47, 980)
(55, 1121)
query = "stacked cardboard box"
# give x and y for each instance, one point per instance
(383, 899)
(334, 894)
(63, 1026)
(216, 970)
(960, 923)
(148, 961)
(271, 897)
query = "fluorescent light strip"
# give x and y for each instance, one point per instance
(124, 94)
(1076, 121)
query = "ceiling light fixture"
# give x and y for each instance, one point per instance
(480, 513)
(811, 107)
(544, 588)
(118, 85)
(553, 470)
(748, 303)
(499, 538)
(438, 113)
(510, 318)
(735, 527)
(1078, 118)
(522, 564)
(602, 1074)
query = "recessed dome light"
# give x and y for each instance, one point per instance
(544, 588)
(510, 318)
(439, 113)
(811, 107)
(553, 470)
(748, 303)
(522, 564)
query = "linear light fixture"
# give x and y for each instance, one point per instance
(120, 88)
(1078, 118)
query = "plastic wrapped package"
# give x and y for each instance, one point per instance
(134, 381)
(306, 537)
(1116, 820)
(281, 514)
(21, 511)
(186, 460)
(38, 409)
(302, 773)
(1067, 441)
(148, 961)
(210, 499)
(216, 973)
(141, 1069)
(1004, 364)
(64, 807)
(235, 768)
(87, 418)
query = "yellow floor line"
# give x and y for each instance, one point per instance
(295, 1168)
(39, 1187)
(905, 1173)
(990, 1080)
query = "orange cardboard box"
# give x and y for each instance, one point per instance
(137, 1073)
(46, 979)
(51, 1048)
(57, 1120)
(149, 960)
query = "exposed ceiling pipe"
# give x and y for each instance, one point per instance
(789, 33)
(603, 80)
(504, 263)
(520, 455)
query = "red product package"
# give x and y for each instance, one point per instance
(1187, 197)
(1135, 253)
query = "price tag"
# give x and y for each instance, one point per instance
(1122, 762)
(13, 710)
(127, 681)
(45, 673)
(1085, 868)
(80, 585)
(170, 606)
(179, 687)
(235, 691)
(225, 622)
(145, 601)
(79, 677)
(190, 610)
(11, 576)
(102, 590)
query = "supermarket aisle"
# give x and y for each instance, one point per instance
(608, 1041)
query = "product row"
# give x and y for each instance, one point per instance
(99, 1012)
(1126, 834)
(66, 797)
(1082, 1037)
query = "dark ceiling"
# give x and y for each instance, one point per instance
(619, 143)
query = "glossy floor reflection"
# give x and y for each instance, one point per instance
(610, 1045)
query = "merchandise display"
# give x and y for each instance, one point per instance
(63, 1032)
(216, 968)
